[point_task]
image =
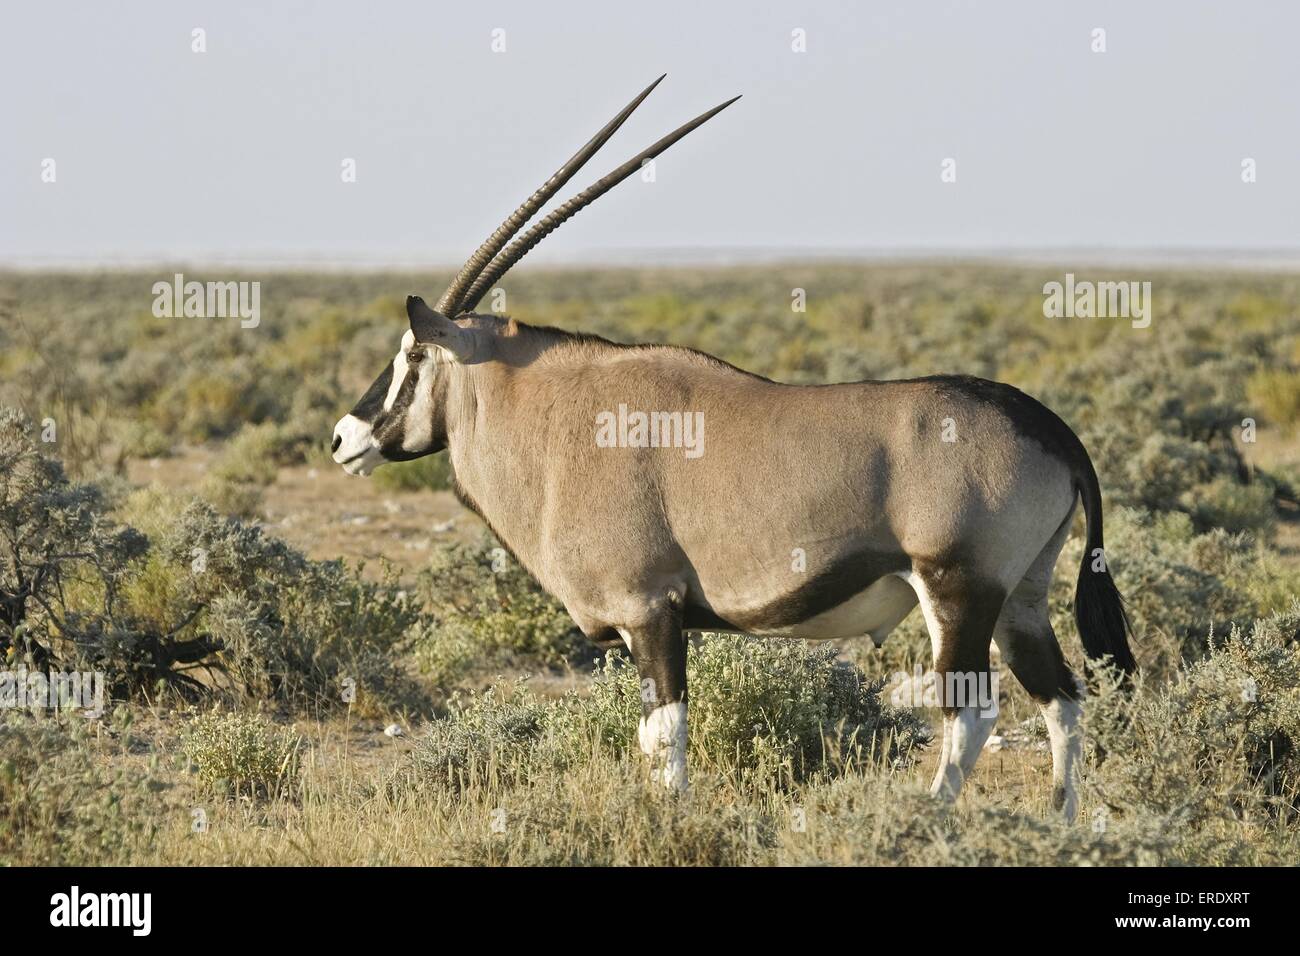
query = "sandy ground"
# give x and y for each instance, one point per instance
(328, 514)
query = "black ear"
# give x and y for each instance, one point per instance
(429, 326)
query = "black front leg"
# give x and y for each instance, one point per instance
(658, 648)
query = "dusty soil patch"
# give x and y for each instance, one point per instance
(328, 514)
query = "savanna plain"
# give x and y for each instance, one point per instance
(306, 668)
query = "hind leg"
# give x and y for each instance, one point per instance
(960, 614)
(1028, 644)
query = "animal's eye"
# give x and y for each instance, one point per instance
(415, 356)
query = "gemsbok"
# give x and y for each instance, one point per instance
(951, 492)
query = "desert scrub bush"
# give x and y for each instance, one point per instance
(203, 403)
(770, 710)
(257, 452)
(870, 820)
(1228, 504)
(1178, 584)
(1164, 443)
(432, 472)
(54, 535)
(866, 321)
(279, 626)
(139, 439)
(487, 613)
(1276, 393)
(769, 703)
(492, 735)
(235, 498)
(250, 462)
(1209, 758)
(200, 604)
(63, 803)
(1214, 752)
(243, 754)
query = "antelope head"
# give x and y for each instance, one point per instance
(402, 415)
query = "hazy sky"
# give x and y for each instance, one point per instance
(162, 153)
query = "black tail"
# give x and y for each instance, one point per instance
(1098, 608)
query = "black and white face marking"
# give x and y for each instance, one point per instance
(394, 421)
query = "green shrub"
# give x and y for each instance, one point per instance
(137, 438)
(201, 604)
(432, 473)
(57, 538)
(1219, 749)
(864, 820)
(1162, 442)
(253, 456)
(783, 705)
(284, 627)
(1179, 585)
(1226, 503)
(243, 754)
(1276, 393)
(62, 803)
(204, 404)
(775, 709)
(1163, 468)
(494, 734)
(486, 614)
(234, 498)
(250, 462)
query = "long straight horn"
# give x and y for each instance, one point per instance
(448, 304)
(552, 221)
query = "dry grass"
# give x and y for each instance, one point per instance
(354, 806)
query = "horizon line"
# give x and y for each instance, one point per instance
(1280, 258)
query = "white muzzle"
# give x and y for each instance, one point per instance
(354, 446)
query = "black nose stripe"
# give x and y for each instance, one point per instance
(338, 440)
(389, 428)
(372, 403)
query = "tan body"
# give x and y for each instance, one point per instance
(787, 473)
(822, 512)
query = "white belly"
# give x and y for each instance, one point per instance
(874, 612)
